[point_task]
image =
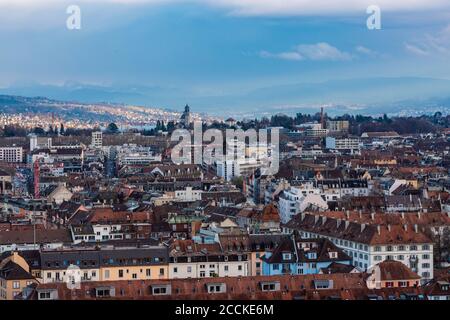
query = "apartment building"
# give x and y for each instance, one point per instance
(295, 256)
(369, 244)
(192, 260)
(11, 154)
(104, 264)
(14, 276)
(342, 144)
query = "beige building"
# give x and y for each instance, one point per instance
(14, 276)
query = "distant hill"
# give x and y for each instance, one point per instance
(88, 112)
(372, 95)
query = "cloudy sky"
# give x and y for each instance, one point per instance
(169, 52)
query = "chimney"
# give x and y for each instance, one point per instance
(405, 226)
(378, 229)
(302, 216)
(324, 219)
(389, 227)
(363, 226)
(316, 218)
(419, 214)
(360, 213)
(347, 223)
(403, 215)
(338, 223)
(416, 228)
(347, 214)
(372, 215)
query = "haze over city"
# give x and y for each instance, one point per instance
(245, 57)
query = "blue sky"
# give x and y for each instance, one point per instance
(219, 53)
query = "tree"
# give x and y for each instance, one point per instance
(39, 131)
(238, 181)
(112, 128)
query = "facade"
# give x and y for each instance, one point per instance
(338, 125)
(193, 260)
(294, 256)
(97, 140)
(105, 264)
(188, 194)
(368, 244)
(11, 154)
(341, 144)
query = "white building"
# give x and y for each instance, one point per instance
(39, 142)
(370, 244)
(352, 144)
(11, 154)
(298, 199)
(97, 139)
(136, 155)
(188, 194)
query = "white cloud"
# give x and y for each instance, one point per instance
(431, 44)
(416, 50)
(317, 52)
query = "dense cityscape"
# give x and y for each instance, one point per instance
(199, 159)
(358, 209)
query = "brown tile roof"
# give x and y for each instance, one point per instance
(344, 287)
(356, 231)
(395, 270)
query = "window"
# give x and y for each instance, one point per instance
(413, 248)
(287, 256)
(148, 272)
(44, 295)
(403, 284)
(268, 287)
(134, 276)
(377, 248)
(121, 273)
(202, 274)
(389, 284)
(16, 285)
(239, 268)
(161, 271)
(159, 290)
(426, 256)
(425, 247)
(189, 269)
(106, 274)
(225, 268)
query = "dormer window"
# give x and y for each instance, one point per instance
(312, 255)
(287, 256)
